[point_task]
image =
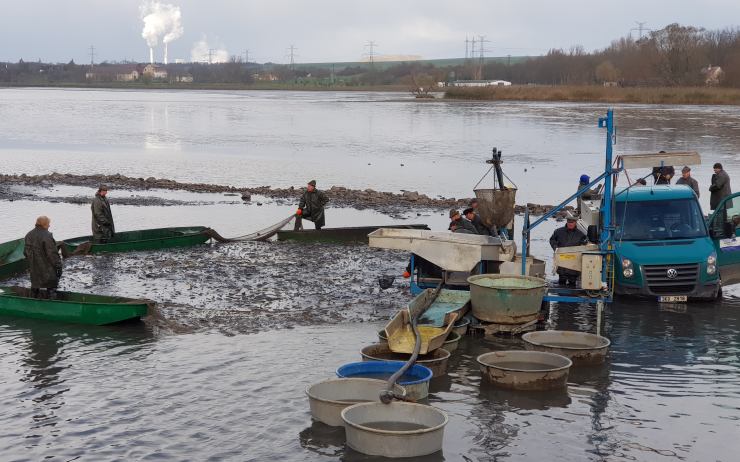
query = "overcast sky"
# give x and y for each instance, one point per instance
(337, 30)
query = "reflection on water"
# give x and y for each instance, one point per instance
(671, 386)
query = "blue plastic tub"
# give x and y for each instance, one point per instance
(415, 380)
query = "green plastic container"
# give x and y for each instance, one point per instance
(505, 298)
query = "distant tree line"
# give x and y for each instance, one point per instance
(673, 56)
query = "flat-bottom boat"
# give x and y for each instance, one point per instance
(145, 239)
(71, 307)
(356, 234)
(12, 260)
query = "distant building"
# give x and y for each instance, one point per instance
(611, 84)
(184, 78)
(118, 73)
(155, 72)
(480, 83)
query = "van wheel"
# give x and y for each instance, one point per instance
(719, 292)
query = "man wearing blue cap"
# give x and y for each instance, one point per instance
(588, 194)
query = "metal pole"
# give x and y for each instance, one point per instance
(599, 315)
(525, 241)
(606, 231)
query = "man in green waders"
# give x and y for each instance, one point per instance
(312, 205)
(43, 259)
(103, 228)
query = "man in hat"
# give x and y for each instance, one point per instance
(458, 224)
(44, 262)
(312, 205)
(688, 180)
(470, 215)
(567, 236)
(589, 194)
(720, 187)
(103, 228)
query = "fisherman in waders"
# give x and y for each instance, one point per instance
(567, 236)
(312, 205)
(43, 258)
(103, 228)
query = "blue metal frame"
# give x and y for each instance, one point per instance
(606, 246)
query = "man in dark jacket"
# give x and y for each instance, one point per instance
(720, 187)
(103, 228)
(470, 215)
(567, 236)
(461, 223)
(688, 180)
(312, 205)
(43, 259)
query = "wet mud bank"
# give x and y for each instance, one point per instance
(386, 202)
(247, 287)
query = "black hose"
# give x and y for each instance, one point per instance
(387, 395)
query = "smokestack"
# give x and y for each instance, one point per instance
(162, 22)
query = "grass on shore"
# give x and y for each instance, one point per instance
(600, 94)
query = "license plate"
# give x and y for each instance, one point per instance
(672, 298)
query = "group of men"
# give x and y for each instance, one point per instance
(469, 222)
(42, 253)
(719, 187)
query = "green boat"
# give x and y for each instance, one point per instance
(145, 239)
(71, 307)
(12, 260)
(357, 234)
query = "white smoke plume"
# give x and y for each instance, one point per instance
(202, 52)
(162, 21)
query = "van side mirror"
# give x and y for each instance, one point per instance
(592, 233)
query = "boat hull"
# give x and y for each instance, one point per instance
(71, 307)
(147, 239)
(12, 260)
(357, 234)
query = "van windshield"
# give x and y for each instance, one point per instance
(656, 220)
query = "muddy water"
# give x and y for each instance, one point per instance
(358, 140)
(218, 371)
(670, 390)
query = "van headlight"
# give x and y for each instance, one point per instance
(712, 264)
(627, 269)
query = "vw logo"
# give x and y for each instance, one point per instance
(672, 273)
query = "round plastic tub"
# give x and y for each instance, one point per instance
(506, 299)
(415, 380)
(327, 399)
(436, 360)
(525, 370)
(582, 348)
(461, 326)
(394, 430)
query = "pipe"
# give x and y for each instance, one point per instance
(387, 395)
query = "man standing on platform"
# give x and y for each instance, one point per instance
(43, 258)
(103, 228)
(312, 205)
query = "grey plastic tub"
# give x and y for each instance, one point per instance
(407, 430)
(525, 370)
(452, 342)
(327, 399)
(436, 360)
(582, 348)
(506, 299)
(461, 326)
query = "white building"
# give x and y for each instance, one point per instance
(480, 83)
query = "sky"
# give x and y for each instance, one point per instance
(337, 30)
